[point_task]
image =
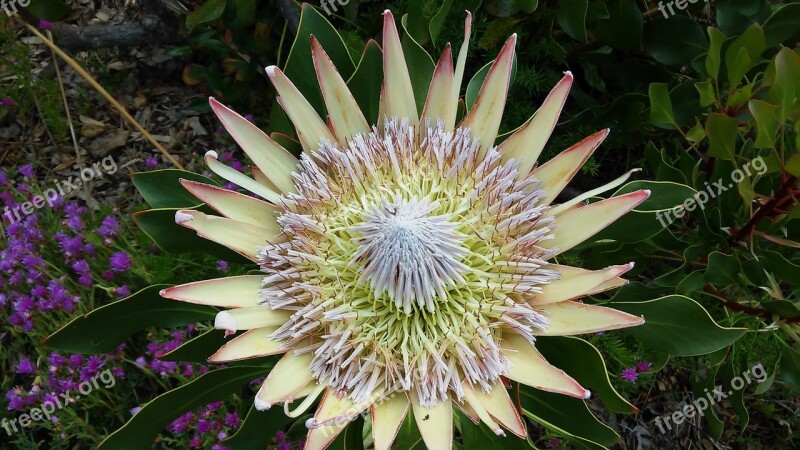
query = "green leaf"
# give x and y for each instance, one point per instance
(210, 10)
(351, 438)
(722, 270)
(583, 361)
(258, 429)
(47, 9)
(246, 11)
(481, 437)
(678, 325)
(793, 165)
(199, 348)
(566, 416)
(722, 134)
(162, 188)
(143, 428)
(782, 25)
(104, 328)
(408, 436)
(365, 84)
(714, 58)
(706, 91)
(571, 17)
(790, 368)
(700, 389)
(420, 66)
(660, 106)
(623, 29)
(664, 195)
(159, 225)
(766, 116)
(300, 66)
(744, 52)
(438, 19)
(505, 8)
(675, 41)
(785, 85)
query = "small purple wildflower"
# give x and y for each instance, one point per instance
(643, 366)
(26, 367)
(8, 102)
(120, 262)
(629, 375)
(151, 163)
(45, 25)
(222, 266)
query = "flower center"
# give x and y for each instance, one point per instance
(408, 253)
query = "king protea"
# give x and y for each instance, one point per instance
(405, 263)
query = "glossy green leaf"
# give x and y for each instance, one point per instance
(438, 20)
(506, 8)
(582, 361)
(208, 11)
(408, 436)
(623, 29)
(420, 66)
(790, 368)
(199, 348)
(566, 416)
(143, 428)
(722, 134)
(782, 25)
(714, 56)
(679, 326)
(675, 41)
(706, 91)
(365, 84)
(766, 116)
(571, 17)
(300, 66)
(104, 328)
(744, 52)
(257, 429)
(162, 188)
(661, 113)
(785, 84)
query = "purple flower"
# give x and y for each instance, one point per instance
(629, 375)
(220, 131)
(151, 162)
(284, 446)
(248, 117)
(222, 266)
(3, 179)
(76, 361)
(110, 227)
(195, 442)
(120, 262)
(26, 171)
(280, 436)
(8, 102)
(45, 25)
(553, 443)
(26, 367)
(123, 291)
(230, 186)
(232, 420)
(643, 366)
(203, 426)
(81, 267)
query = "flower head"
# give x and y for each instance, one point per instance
(629, 375)
(406, 265)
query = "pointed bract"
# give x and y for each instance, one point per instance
(527, 143)
(267, 154)
(240, 237)
(387, 416)
(435, 424)
(346, 117)
(400, 98)
(557, 173)
(576, 283)
(577, 225)
(438, 105)
(529, 367)
(311, 129)
(484, 118)
(252, 344)
(231, 292)
(234, 205)
(571, 318)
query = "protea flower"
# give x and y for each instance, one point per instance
(405, 264)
